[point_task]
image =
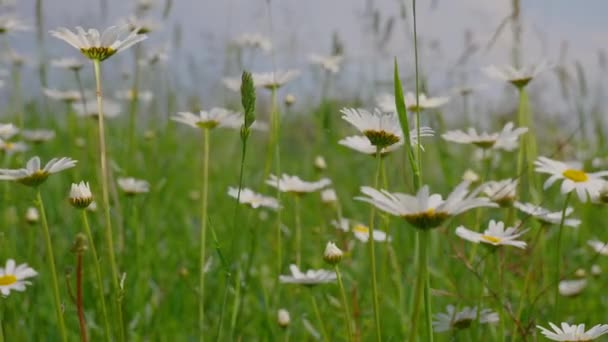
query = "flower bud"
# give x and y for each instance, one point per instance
(283, 318)
(31, 215)
(320, 163)
(80, 195)
(332, 254)
(290, 99)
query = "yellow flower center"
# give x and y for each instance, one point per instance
(491, 239)
(7, 280)
(359, 228)
(576, 175)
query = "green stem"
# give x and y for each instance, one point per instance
(106, 199)
(422, 287)
(318, 314)
(347, 319)
(501, 295)
(558, 252)
(201, 294)
(98, 276)
(372, 253)
(419, 146)
(51, 257)
(134, 103)
(298, 230)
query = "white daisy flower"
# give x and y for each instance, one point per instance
(10, 23)
(570, 288)
(38, 136)
(127, 94)
(363, 145)
(216, 117)
(254, 199)
(8, 131)
(96, 46)
(311, 277)
(67, 96)
(599, 246)
(501, 192)
(273, 80)
(596, 270)
(457, 320)
(495, 235)
(361, 232)
(232, 83)
(132, 186)
(142, 25)
(254, 41)
(80, 195)
(9, 147)
(382, 129)
(33, 174)
(328, 63)
(13, 277)
(386, 102)
(573, 333)
(425, 211)
(587, 185)
(343, 224)
(73, 64)
(518, 77)
(504, 140)
(545, 216)
(111, 109)
(296, 185)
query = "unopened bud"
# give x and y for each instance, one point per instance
(332, 254)
(290, 99)
(283, 318)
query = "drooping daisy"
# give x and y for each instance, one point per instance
(571, 288)
(501, 192)
(386, 102)
(254, 41)
(33, 174)
(425, 211)
(13, 277)
(573, 333)
(294, 184)
(495, 235)
(254, 199)
(382, 129)
(96, 46)
(503, 140)
(599, 246)
(458, 320)
(10, 23)
(80, 195)
(328, 63)
(73, 64)
(518, 77)
(274, 80)
(545, 216)
(363, 145)
(132, 186)
(311, 277)
(38, 136)
(586, 184)
(216, 117)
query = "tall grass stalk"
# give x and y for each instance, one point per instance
(105, 176)
(347, 318)
(133, 105)
(98, 276)
(204, 194)
(558, 252)
(315, 307)
(53, 270)
(372, 252)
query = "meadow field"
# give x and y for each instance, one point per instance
(375, 203)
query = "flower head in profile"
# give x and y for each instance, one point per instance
(254, 199)
(111, 109)
(294, 184)
(10, 23)
(573, 333)
(519, 77)
(361, 232)
(254, 41)
(381, 129)
(328, 63)
(100, 47)
(80, 195)
(571, 288)
(599, 246)
(132, 186)
(363, 145)
(274, 80)
(501, 192)
(216, 117)
(495, 235)
(13, 277)
(33, 175)
(38, 136)
(67, 96)
(386, 102)
(586, 184)
(503, 140)
(458, 320)
(546, 216)
(142, 25)
(129, 94)
(10, 147)
(8, 131)
(311, 277)
(425, 211)
(73, 64)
